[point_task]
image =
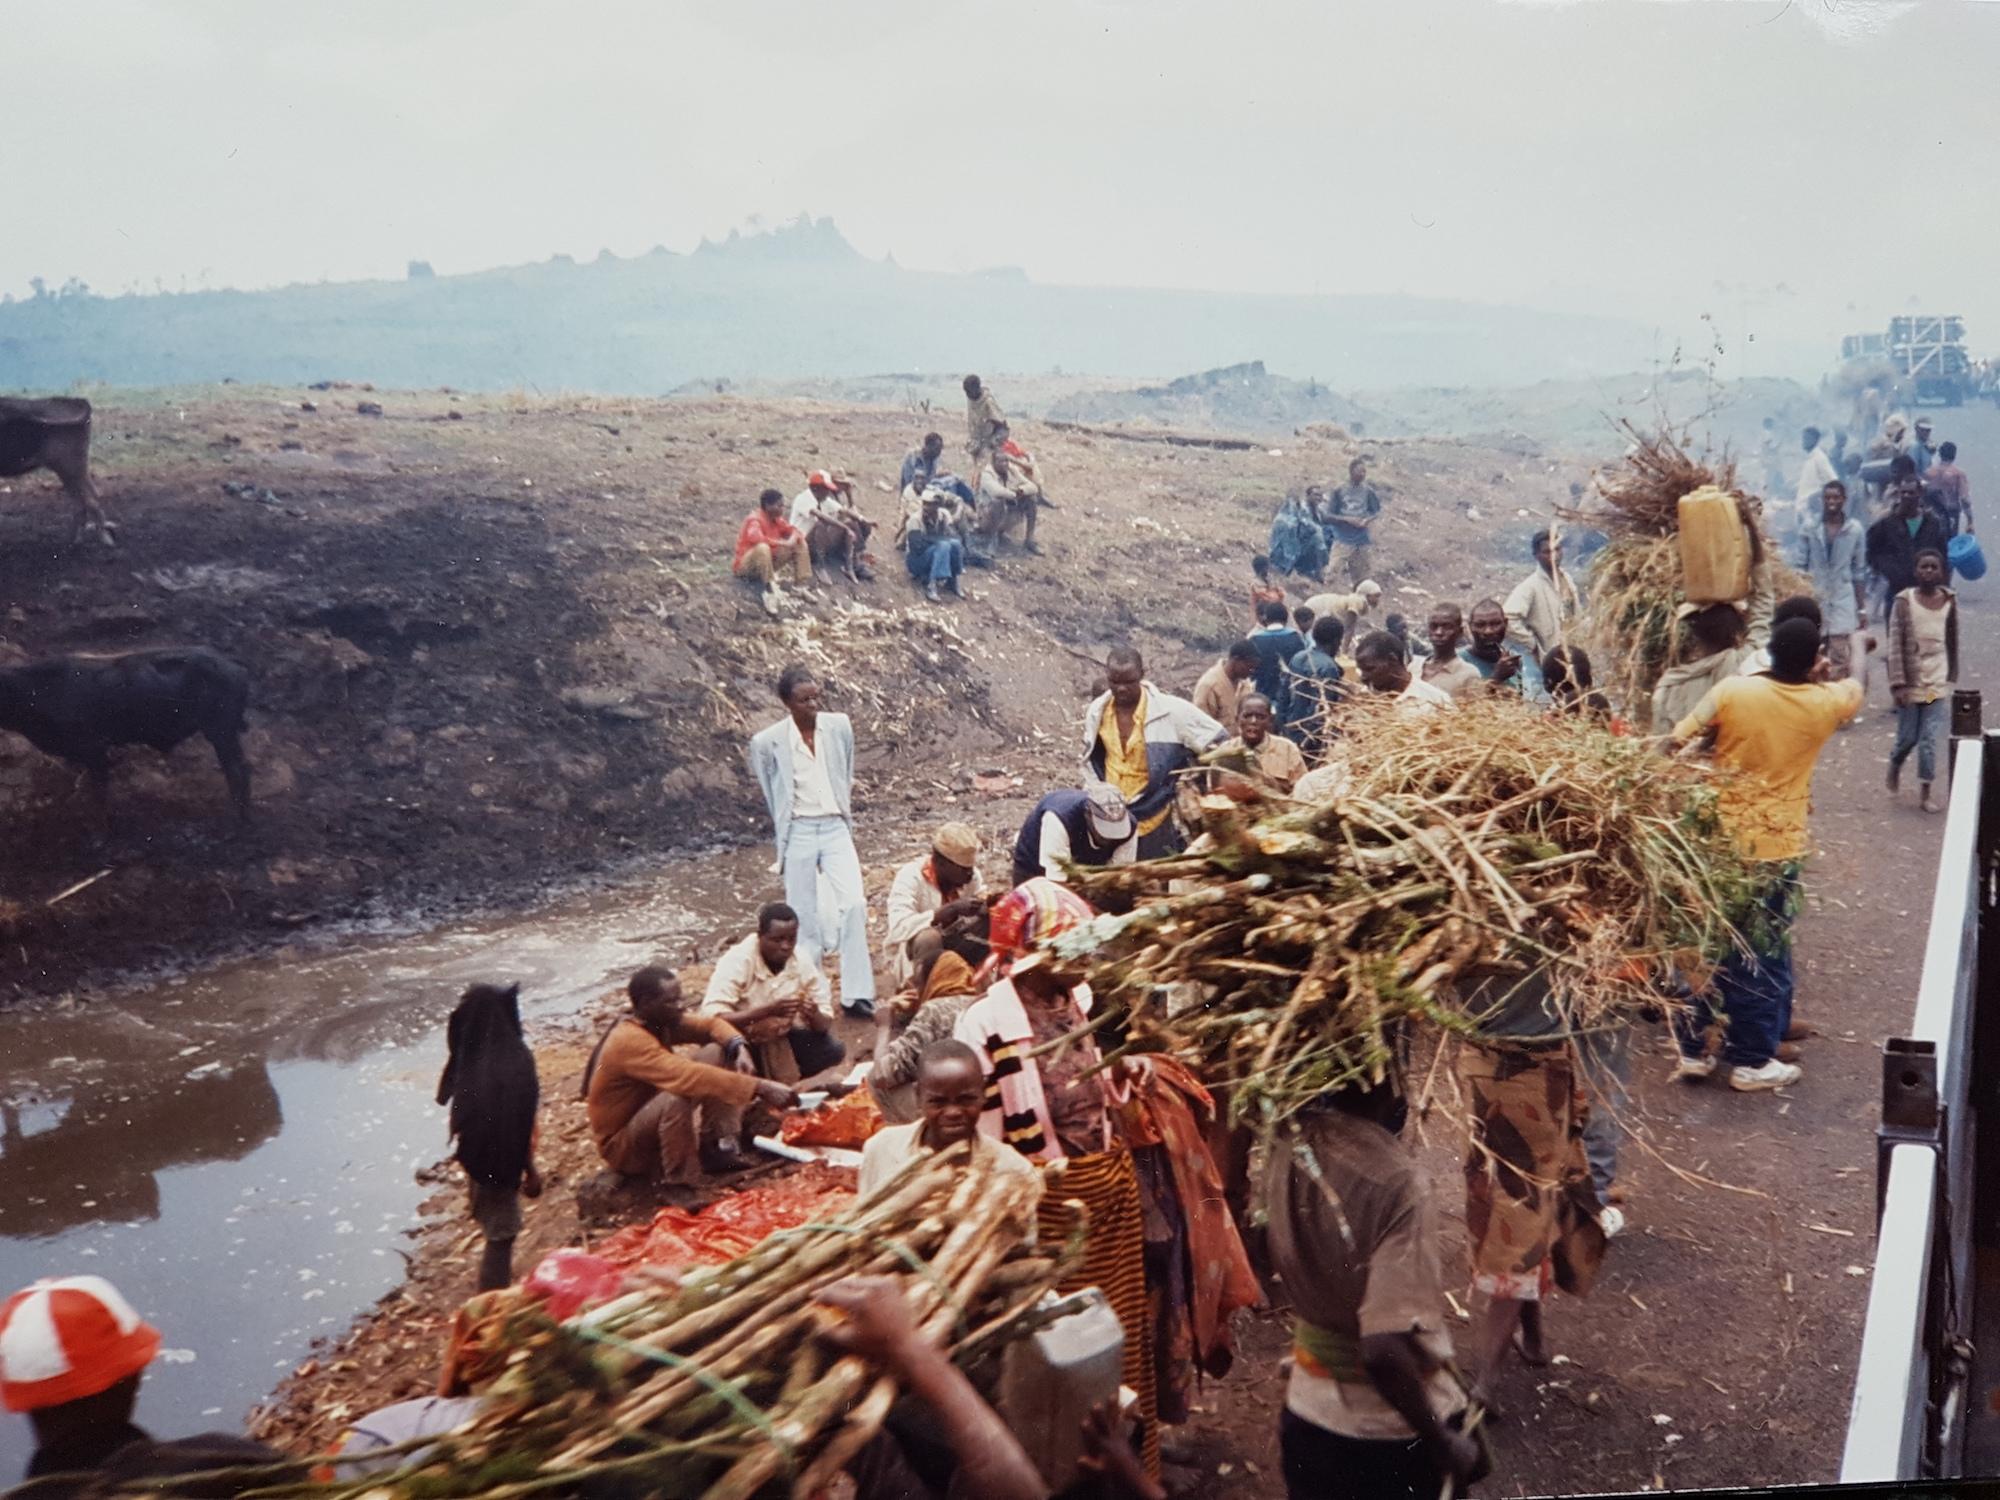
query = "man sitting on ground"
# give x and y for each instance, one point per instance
(928, 896)
(923, 469)
(1007, 500)
(769, 545)
(834, 530)
(1088, 825)
(1219, 691)
(781, 1004)
(665, 1091)
(932, 536)
(1446, 669)
(1379, 660)
(952, 984)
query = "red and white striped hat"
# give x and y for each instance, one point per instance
(67, 1338)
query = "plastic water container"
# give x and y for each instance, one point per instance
(1050, 1380)
(1715, 547)
(1967, 557)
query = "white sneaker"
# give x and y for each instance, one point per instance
(1773, 1075)
(1611, 1220)
(1693, 1069)
(773, 601)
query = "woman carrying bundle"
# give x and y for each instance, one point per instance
(1056, 1108)
(490, 1083)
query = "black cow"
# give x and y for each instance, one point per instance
(54, 434)
(78, 707)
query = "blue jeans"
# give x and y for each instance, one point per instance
(1606, 1057)
(817, 847)
(1917, 728)
(1752, 990)
(935, 559)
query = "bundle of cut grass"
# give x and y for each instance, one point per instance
(1465, 850)
(723, 1387)
(1635, 581)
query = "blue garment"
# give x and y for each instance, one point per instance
(1275, 647)
(1752, 990)
(1836, 567)
(1297, 543)
(1071, 806)
(1917, 728)
(932, 559)
(1312, 691)
(923, 474)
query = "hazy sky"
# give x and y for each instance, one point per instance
(1795, 167)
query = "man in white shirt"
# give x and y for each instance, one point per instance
(951, 1092)
(829, 497)
(927, 897)
(1379, 660)
(779, 1000)
(804, 765)
(1815, 474)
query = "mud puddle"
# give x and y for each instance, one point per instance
(236, 1149)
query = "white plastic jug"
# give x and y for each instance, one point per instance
(1050, 1380)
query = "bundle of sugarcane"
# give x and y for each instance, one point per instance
(1461, 851)
(722, 1387)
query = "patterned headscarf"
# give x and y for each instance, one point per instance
(1031, 913)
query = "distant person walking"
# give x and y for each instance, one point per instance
(1895, 540)
(1949, 491)
(1832, 552)
(1264, 589)
(1815, 474)
(1923, 665)
(1349, 513)
(804, 764)
(490, 1083)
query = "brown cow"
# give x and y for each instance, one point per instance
(54, 434)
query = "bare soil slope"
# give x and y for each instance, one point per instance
(496, 644)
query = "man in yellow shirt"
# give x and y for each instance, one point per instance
(1770, 729)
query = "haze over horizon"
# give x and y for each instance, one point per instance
(1652, 163)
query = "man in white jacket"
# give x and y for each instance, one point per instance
(1139, 740)
(804, 765)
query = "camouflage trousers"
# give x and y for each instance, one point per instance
(1525, 1167)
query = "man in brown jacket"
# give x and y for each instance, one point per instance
(659, 1069)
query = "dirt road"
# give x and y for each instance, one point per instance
(1718, 1348)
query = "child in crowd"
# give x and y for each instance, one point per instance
(490, 1083)
(1923, 665)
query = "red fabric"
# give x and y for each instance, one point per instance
(1031, 913)
(569, 1280)
(757, 527)
(1170, 1108)
(732, 1225)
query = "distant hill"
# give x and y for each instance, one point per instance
(796, 302)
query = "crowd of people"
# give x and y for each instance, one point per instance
(944, 523)
(964, 1035)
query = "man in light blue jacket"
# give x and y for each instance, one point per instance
(805, 765)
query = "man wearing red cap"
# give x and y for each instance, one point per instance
(72, 1351)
